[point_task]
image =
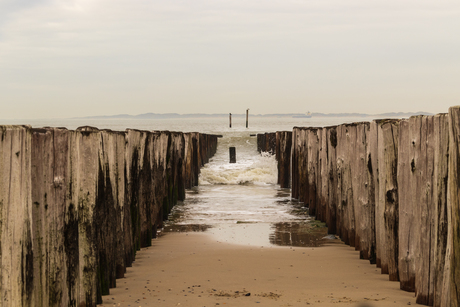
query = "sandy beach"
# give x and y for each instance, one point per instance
(193, 269)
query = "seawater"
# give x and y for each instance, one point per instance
(238, 202)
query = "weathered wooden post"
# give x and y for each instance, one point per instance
(283, 156)
(230, 119)
(247, 115)
(451, 284)
(232, 154)
(387, 211)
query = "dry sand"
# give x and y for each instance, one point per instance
(192, 269)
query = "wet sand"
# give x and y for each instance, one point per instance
(193, 269)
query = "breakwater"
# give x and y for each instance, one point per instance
(390, 188)
(75, 206)
(280, 144)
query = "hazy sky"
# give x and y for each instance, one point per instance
(104, 57)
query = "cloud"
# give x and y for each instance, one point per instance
(206, 54)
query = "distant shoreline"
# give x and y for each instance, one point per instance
(219, 115)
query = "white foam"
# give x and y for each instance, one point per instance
(258, 170)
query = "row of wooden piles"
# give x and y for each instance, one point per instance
(390, 188)
(278, 143)
(75, 206)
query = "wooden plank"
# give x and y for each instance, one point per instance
(439, 235)
(331, 171)
(407, 203)
(452, 268)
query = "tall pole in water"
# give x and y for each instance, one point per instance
(247, 115)
(230, 118)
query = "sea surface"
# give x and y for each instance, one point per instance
(234, 202)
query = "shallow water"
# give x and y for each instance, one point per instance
(234, 202)
(241, 202)
(247, 214)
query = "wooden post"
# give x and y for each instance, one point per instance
(452, 269)
(230, 118)
(232, 154)
(247, 115)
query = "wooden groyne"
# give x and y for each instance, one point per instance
(390, 188)
(278, 143)
(75, 206)
(266, 142)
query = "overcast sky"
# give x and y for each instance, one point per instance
(64, 58)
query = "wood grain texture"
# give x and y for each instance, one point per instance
(392, 193)
(76, 205)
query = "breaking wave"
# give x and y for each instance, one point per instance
(259, 169)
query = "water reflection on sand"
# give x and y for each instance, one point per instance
(308, 233)
(257, 216)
